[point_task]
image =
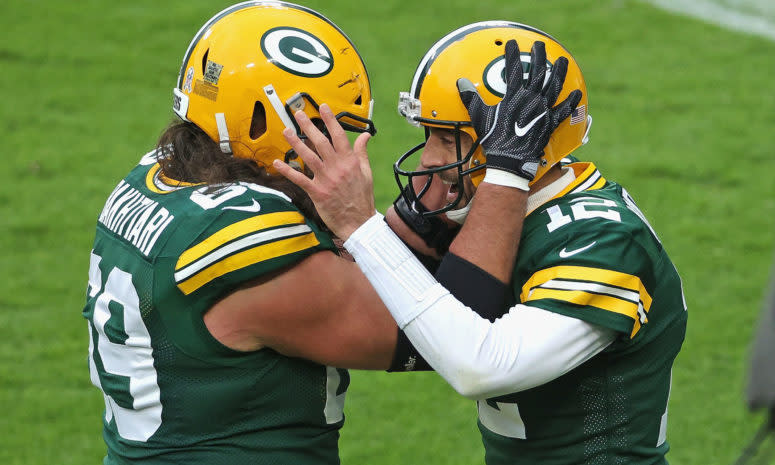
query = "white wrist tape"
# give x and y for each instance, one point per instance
(403, 284)
(505, 178)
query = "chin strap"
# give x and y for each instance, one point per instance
(278, 107)
(434, 232)
(459, 216)
(585, 139)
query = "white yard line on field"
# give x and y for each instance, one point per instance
(726, 16)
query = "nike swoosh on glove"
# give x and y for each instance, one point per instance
(514, 133)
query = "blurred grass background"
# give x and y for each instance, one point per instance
(683, 117)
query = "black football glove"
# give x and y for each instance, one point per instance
(514, 133)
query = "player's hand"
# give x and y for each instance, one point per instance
(514, 132)
(341, 187)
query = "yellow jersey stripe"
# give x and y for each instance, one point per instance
(156, 182)
(600, 183)
(236, 230)
(247, 258)
(594, 275)
(594, 288)
(243, 243)
(585, 173)
(635, 329)
(605, 302)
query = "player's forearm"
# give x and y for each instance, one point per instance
(490, 236)
(525, 348)
(478, 358)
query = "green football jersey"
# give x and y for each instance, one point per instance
(589, 253)
(164, 253)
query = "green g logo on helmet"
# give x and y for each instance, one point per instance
(494, 77)
(297, 52)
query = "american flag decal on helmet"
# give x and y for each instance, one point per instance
(579, 115)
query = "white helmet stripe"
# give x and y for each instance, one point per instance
(453, 36)
(443, 42)
(239, 6)
(202, 31)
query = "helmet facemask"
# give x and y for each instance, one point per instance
(463, 166)
(298, 102)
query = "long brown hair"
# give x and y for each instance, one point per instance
(187, 154)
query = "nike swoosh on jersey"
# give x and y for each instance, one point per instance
(254, 208)
(567, 253)
(522, 131)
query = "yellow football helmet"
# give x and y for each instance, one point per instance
(254, 64)
(476, 52)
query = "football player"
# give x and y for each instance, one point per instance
(578, 369)
(211, 278)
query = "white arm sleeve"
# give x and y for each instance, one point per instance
(525, 348)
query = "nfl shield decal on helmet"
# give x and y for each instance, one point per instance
(189, 79)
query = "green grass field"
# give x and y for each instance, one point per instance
(684, 115)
